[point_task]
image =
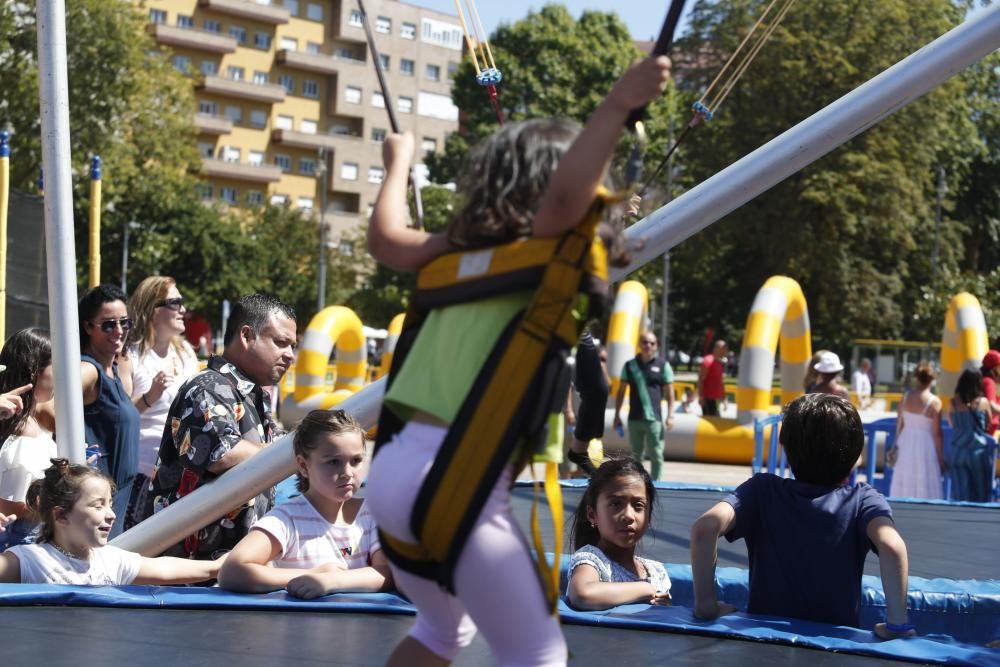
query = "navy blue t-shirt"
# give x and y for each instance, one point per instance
(806, 545)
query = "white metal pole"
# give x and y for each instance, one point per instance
(60, 248)
(814, 137)
(664, 229)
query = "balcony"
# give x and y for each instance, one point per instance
(209, 124)
(257, 92)
(295, 139)
(247, 9)
(265, 173)
(192, 38)
(312, 62)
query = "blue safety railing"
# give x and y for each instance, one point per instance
(775, 453)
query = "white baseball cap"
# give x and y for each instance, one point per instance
(829, 362)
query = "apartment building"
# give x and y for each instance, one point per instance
(289, 106)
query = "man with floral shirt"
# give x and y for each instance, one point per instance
(222, 417)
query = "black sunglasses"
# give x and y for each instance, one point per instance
(107, 326)
(173, 304)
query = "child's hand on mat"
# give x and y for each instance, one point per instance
(710, 613)
(6, 519)
(308, 586)
(641, 83)
(883, 632)
(397, 150)
(661, 598)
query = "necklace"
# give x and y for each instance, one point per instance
(64, 552)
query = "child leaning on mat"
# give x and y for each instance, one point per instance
(74, 504)
(807, 538)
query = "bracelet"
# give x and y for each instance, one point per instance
(145, 401)
(901, 628)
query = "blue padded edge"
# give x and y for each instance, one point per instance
(934, 649)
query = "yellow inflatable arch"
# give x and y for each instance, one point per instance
(964, 342)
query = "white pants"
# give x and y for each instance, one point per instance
(496, 582)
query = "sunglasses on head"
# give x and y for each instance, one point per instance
(107, 326)
(173, 304)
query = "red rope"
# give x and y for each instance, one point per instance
(492, 90)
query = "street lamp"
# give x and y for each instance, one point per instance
(129, 226)
(321, 185)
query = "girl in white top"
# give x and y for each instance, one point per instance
(26, 438)
(74, 502)
(323, 541)
(919, 447)
(609, 523)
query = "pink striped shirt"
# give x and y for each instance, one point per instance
(308, 540)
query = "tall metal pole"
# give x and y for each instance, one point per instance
(4, 195)
(322, 185)
(694, 210)
(125, 237)
(60, 249)
(664, 331)
(942, 188)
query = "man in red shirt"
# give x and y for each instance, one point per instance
(991, 373)
(711, 389)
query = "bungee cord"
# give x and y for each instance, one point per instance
(488, 74)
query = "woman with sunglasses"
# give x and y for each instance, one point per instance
(110, 418)
(156, 346)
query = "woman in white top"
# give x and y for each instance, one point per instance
(165, 360)
(919, 441)
(26, 436)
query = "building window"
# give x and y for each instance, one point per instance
(443, 34)
(408, 31)
(258, 119)
(307, 166)
(206, 149)
(292, 6)
(255, 158)
(305, 203)
(228, 195)
(157, 16)
(238, 33)
(308, 127)
(235, 73)
(184, 21)
(182, 64)
(355, 19)
(204, 190)
(230, 154)
(283, 162)
(432, 72)
(429, 144)
(378, 100)
(405, 104)
(312, 47)
(289, 44)
(210, 25)
(406, 66)
(255, 198)
(349, 171)
(288, 83)
(352, 95)
(234, 113)
(452, 69)
(310, 88)
(341, 129)
(262, 40)
(209, 67)
(383, 24)
(385, 60)
(376, 174)
(314, 12)
(279, 200)
(378, 135)
(210, 108)
(346, 247)
(261, 78)
(284, 122)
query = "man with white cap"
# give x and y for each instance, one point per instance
(829, 367)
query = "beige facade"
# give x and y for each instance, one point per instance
(281, 82)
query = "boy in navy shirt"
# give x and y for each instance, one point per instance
(807, 538)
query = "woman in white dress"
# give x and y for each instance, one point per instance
(165, 359)
(26, 436)
(919, 441)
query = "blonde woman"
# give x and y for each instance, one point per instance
(160, 352)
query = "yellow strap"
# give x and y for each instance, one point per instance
(549, 572)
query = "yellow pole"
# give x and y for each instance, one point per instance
(95, 221)
(468, 39)
(4, 194)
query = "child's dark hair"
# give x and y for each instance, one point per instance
(25, 354)
(582, 531)
(316, 424)
(504, 178)
(823, 438)
(60, 487)
(969, 387)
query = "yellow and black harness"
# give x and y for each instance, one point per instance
(524, 381)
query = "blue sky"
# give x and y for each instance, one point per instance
(643, 17)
